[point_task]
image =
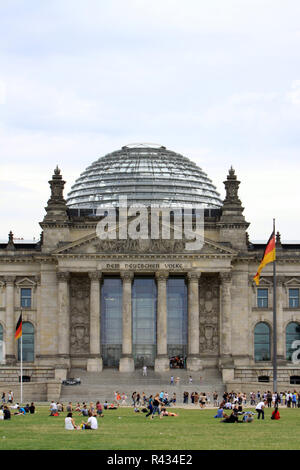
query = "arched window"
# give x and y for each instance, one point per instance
(262, 342)
(28, 342)
(292, 334)
(1, 344)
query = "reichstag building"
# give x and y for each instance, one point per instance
(93, 303)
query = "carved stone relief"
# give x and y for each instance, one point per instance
(209, 314)
(79, 314)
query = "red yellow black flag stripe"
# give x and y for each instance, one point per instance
(18, 332)
(268, 256)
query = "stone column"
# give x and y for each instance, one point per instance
(38, 312)
(280, 319)
(10, 348)
(126, 361)
(94, 363)
(63, 326)
(162, 362)
(193, 359)
(225, 323)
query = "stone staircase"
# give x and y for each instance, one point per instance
(101, 386)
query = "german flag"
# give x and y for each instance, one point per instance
(268, 256)
(18, 332)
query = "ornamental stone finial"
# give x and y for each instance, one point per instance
(10, 245)
(232, 210)
(232, 186)
(278, 240)
(56, 207)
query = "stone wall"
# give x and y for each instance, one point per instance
(36, 392)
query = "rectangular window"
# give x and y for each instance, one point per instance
(294, 298)
(262, 298)
(25, 298)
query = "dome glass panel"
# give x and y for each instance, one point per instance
(148, 175)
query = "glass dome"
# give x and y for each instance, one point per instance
(146, 174)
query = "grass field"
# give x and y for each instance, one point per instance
(122, 429)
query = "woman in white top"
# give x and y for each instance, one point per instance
(70, 423)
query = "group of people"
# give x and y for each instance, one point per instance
(177, 362)
(155, 405)
(91, 411)
(142, 400)
(290, 399)
(7, 398)
(247, 416)
(196, 398)
(7, 410)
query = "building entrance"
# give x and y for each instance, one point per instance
(144, 294)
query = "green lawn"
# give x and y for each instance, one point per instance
(123, 429)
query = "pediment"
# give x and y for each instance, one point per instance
(25, 281)
(265, 281)
(92, 244)
(293, 282)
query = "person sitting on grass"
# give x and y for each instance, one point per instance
(84, 411)
(99, 409)
(233, 418)
(77, 408)
(53, 409)
(32, 408)
(112, 406)
(21, 411)
(164, 412)
(69, 408)
(91, 423)
(6, 412)
(220, 413)
(275, 413)
(70, 423)
(248, 417)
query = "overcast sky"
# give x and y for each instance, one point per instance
(217, 80)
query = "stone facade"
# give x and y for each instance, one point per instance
(65, 269)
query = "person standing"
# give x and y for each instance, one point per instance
(145, 371)
(10, 397)
(156, 404)
(260, 409)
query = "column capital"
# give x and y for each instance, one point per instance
(226, 277)
(127, 275)
(161, 276)
(63, 276)
(193, 276)
(9, 279)
(280, 280)
(95, 275)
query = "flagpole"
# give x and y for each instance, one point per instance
(21, 364)
(274, 323)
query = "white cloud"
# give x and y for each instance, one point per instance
(294, 95)
(2, 92)
(216, 81)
